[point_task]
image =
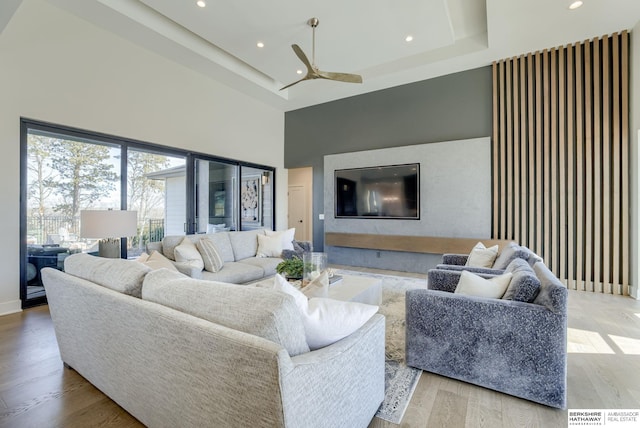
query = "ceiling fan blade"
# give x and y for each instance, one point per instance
(296, 82)
(302, 57)
(341, 77)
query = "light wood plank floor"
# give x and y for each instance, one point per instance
(603, 372)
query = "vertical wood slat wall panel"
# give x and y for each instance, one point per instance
(606, 178)
(546, 150)
(561, 177)
(615, 170)
(624, 91)
(515, 78)
(589, 167)
(562, 272)
(554, 260)
(597, 170)
(523, 152)
(579, 159)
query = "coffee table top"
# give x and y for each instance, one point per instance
(351, 288)
(355, 288)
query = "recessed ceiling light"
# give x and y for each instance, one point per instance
(260, 44)
(201, 3)
(299, 71)
(575, 4)
(409, 38)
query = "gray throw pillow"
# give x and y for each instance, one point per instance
(524, 284)
(508, 254)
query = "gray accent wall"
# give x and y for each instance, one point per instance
(452, 107)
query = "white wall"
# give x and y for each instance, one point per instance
(58, 68)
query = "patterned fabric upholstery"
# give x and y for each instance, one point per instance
(513, 347)
(171, 369)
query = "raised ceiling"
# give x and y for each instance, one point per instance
(367, 38)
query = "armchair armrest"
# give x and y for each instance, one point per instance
(447, 280)
(454, 259)
(478, 270)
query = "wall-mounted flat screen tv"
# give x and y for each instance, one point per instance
(382, 192)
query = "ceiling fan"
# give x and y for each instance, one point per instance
(312, 70)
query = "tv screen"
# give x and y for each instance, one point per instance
(391, 191)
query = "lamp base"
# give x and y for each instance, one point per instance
(109, 248)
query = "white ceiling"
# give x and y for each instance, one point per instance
(353, 37)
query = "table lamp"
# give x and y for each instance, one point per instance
(108, 226)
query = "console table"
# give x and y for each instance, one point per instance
(410, 244)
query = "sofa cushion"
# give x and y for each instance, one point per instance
(474, 285)
(223, 245)
(245, 243)
(257, 311)
(267, 264)
(285, 235)
(169, 243)
(187, 253)
(210, 256)
(326, 320)
(508, 254)
(235, 273)
(524, 284)
(121, 275)
(269, 246)
(481, 256)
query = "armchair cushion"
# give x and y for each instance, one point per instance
(524, 284)
(509, 253)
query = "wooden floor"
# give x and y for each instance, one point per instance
(603, 372)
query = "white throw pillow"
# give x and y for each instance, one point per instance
(188, 253)
(474, 285)
(158, 261)
(269, 246)
(481, 256)
(210, 256)
(326, 320)
(286, 235)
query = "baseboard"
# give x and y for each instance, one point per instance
(10, 307)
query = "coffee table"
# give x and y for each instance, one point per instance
(353, 288)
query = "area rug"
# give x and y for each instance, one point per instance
(400, 380)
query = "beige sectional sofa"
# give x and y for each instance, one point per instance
(175, 351)
(238, 252)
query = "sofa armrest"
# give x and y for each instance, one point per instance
(154, 246)
(454, 259)
(341, 382)
(514, 347)
(187, 269)
(447, 280)
(477, 270)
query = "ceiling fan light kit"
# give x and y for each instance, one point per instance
(313, 72)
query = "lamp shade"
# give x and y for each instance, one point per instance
(101, 224)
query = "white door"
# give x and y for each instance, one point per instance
(298, 212)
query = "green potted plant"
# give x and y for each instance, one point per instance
(291, 268)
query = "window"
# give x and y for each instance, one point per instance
(174, 192)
